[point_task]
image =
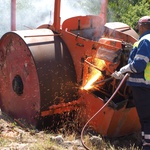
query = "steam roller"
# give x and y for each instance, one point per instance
(36, 72)
(63, 69)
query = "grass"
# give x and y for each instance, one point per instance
(41, 141)
(18, 138)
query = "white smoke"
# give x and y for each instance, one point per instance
(4, 16)
(37, 13)
(31, 14)
(68, 11)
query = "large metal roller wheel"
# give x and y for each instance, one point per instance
(36, 71)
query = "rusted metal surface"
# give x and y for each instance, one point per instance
(64, 107)
(20, 97)
(36, 72)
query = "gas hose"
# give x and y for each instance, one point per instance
(115, 92)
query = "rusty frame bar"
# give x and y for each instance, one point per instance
(13, 15)
(56, 23)
(103, 10)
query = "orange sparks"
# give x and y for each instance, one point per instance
(95, 74)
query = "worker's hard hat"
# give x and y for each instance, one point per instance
(144, 20)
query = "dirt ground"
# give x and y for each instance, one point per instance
(16, 137)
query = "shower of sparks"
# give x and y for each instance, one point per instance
(91, 81)
(95, 74)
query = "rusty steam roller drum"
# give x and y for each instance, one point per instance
(36, 72)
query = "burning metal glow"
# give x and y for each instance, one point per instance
(95, 74)
(92, 80)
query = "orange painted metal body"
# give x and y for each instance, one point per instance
(83, 44)
(110, 122)
(84, 35)
(56, 65)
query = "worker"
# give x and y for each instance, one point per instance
(139, 80)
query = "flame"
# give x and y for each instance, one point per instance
(91, 81)
(95, 74)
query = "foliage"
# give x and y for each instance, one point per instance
(130, 12)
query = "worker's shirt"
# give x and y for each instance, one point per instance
(138, 59)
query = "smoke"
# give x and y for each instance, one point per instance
(31, 14)
(68, 10)
(4, 16)
(35, 13)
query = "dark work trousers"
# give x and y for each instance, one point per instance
(141, 96)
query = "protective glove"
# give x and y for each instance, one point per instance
(117, 75)
(125, 69)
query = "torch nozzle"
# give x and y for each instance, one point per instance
(102, 81)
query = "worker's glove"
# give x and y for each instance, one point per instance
(125, 69)
(117, 75)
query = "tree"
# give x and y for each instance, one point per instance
(142, 8)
